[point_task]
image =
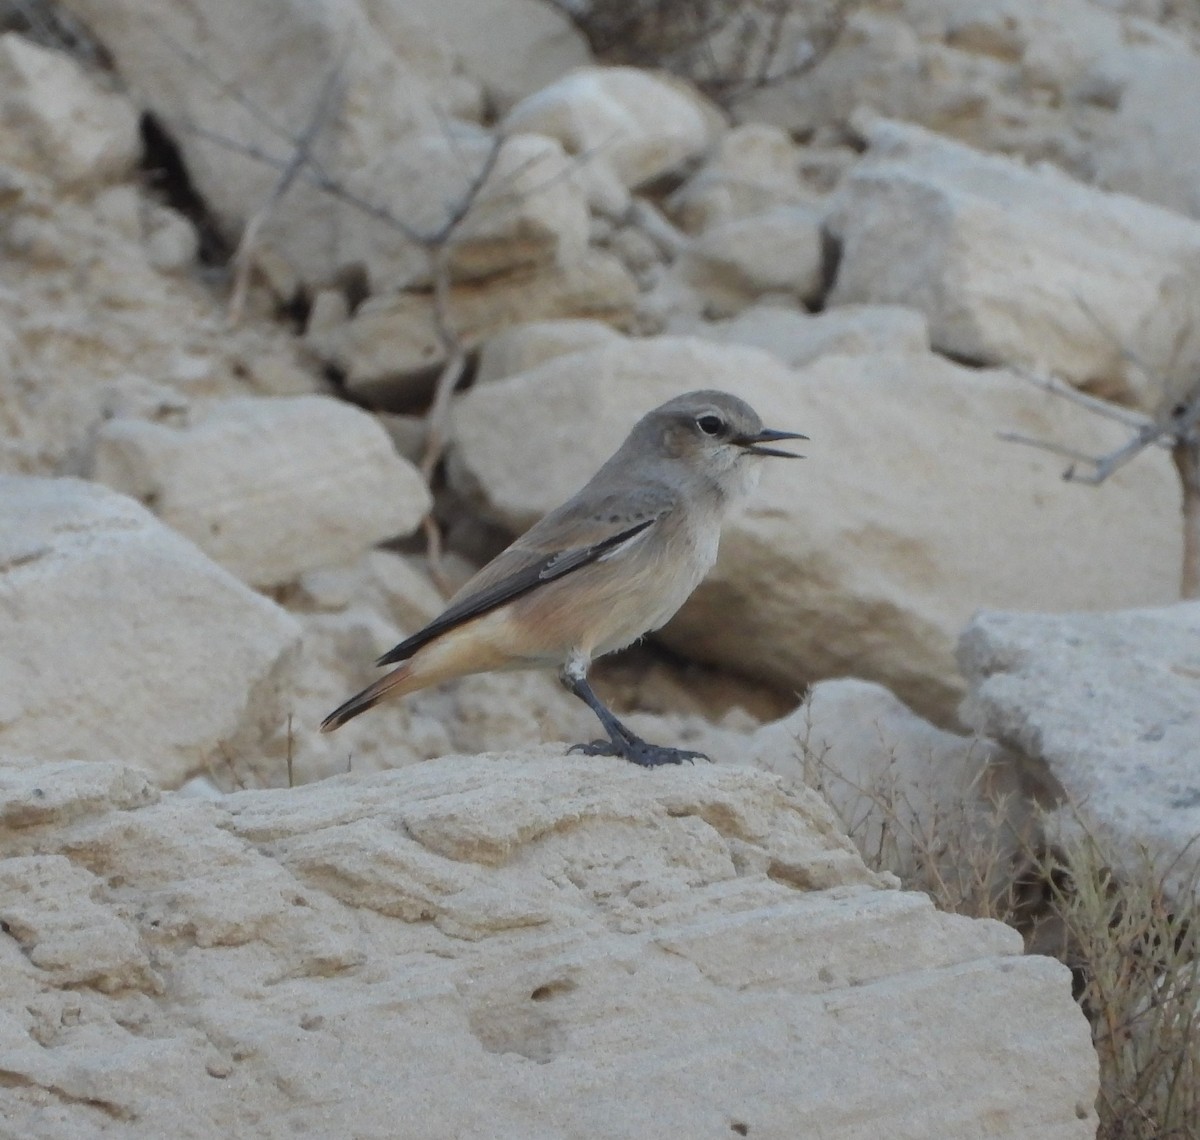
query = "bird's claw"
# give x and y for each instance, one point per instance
(639, 752)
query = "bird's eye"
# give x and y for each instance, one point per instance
(710, 425)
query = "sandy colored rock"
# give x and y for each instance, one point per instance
(752, 169)
(136, 335)
(54, 118)
(1108, 705)
(642, 126)
(780, 251)
(544, 931)
(528, 212)
(269, 488)
(514, 47)
(119, 637)
(1012, 265)
(1150, 146)
(261, 77)
(869, 557)
(798, 338)
(1014, 76)
(907, 792)
(527, 345)
(390, 349)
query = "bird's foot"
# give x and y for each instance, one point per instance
(595, 748)
(639, 752)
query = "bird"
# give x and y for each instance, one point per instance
(613, 563)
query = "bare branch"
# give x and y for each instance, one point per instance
(242, 259)
(1046, 445)
(314, 176)
(437, 243)
(467, 200)
(1127, 354)
(1101, 407)
(227, 87)
(1175, 426)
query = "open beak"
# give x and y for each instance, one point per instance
(769, 435)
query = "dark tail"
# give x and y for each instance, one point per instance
(368, 698)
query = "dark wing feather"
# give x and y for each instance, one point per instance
(521, 581)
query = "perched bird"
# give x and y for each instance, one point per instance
(609, 565)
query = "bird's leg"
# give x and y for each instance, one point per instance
(622, 740)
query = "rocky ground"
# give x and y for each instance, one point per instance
(247, 251)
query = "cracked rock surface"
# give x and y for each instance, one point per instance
(584, 946)
(1107, 707)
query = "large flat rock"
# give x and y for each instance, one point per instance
(1110, 704)
(1018, 265)
(503, 945)
(867, 558)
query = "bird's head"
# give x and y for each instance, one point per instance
(712, 436)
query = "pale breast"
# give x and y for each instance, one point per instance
(658, 577)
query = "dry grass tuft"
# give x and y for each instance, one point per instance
(1132, 945)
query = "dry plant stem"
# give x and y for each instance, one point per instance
(439, 410)
(689, 38)
(436, 244)
(243, 257)
(1177, 428)
(435, 444)
(1186, 456)
(1134, 946)
(291, 741)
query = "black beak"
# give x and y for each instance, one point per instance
(769, 435)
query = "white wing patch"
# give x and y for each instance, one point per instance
(626, 546)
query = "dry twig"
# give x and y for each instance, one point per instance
(243, 256)
(437, 244)
(1175, 426)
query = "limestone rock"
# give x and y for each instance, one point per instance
(908, 792)
(1150, 145)
(780, 252)
(428, 56)
(752, 169)
(640, 125)
(868, 558)
(118, 637)
(1009, 76)
(55, 119)
(514, 47)
(136, 335)
(799, 338)
(385, 581)
(389, 350)
(1018, 266)
(269, 488)
(529, 211)
(542, 930)
(1109, 703)
(527, 345)
(263, 78)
